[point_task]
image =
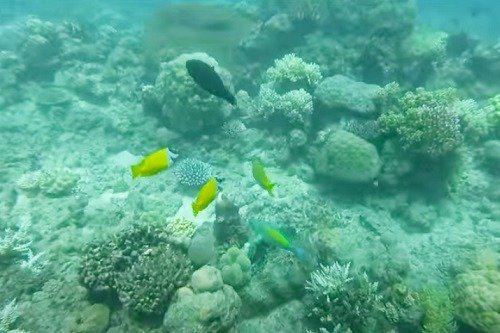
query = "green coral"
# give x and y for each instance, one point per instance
(296, 105)
(477, 299)
(284, 97)
(235, 267)
(423, 121)
(494, 115)
(346, 157)
(438, 311)
(292, 69)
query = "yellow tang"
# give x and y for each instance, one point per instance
(205, 196)
(259, 174)
(152, 164)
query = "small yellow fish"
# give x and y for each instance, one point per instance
(205, 196)
(152, 164)
(259, 174)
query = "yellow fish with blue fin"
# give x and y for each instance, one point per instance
(153, 163)
(206, 195)
(275, 237)
(259, 174)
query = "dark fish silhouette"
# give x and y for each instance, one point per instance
(208, 79)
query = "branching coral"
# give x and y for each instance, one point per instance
(343, 300)
(286, 93)
(438, 311)
(292, 69)
(424, 122)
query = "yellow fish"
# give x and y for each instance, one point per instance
(205, 196)
(153, 163)
(259, 174)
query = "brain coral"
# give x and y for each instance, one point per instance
(346, 157)
(477, 299)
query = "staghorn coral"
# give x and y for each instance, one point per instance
(342, 300)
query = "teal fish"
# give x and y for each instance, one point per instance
(274, 236)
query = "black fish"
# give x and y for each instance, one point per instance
(208, 79)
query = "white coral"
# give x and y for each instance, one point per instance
(329, 280)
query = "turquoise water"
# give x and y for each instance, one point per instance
(258, 166)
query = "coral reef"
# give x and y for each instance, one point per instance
(340, 92)
(139, 266)
(210, 307)
(342, 300)
(476, 298)
(285, 96)
(424, 122)
(346, 157)
(202, 247)
(175, 89)
(192, 172)
(235, 267)
(229, 228)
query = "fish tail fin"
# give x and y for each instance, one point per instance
(301, 253)
(136, 171)
(195, 209)
(270, 189)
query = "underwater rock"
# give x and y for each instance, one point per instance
(228, 226)
(53, 96)
(206, 278)
(339, 91)
(285, 318)
(185, 107)
(346, 157)
(92, 319)
(491, 153)
(203, 312)
(280, 280)
(202, 247)
(270, 39)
